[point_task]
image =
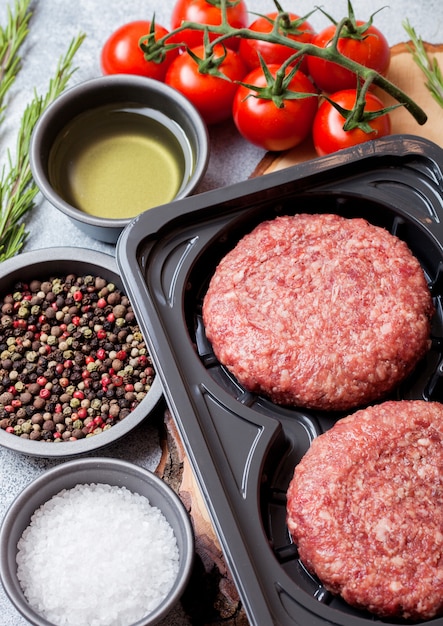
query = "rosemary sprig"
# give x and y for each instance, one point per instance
(17, 189)
(428, 66)
(11, 40)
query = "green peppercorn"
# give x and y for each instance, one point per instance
(31, 356)
(27, 427)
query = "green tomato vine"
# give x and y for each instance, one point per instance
(154, 51)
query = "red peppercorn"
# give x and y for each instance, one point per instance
(42, 380)
(101, 334)
(9, 408)
(82, 413)
(110, 318)
(121, 355)
(89, 359)
(63, 382)
(101, 354)
(16, 403)
(57, 435)
(10, 429)
(19, 323)
(58, 408)
(86, 374)
(78, 394)
(101, 303)
(42, 319)
(45, 393)
(117, 381)
(129, 387)
(68, 364)
(78, 296)
(59, 368)
(12, 390)
(105, 381)
(75, 320)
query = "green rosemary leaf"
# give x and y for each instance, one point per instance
(11, 39)
(429, 67)
(17, 188)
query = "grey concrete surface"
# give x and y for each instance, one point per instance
(53, 25)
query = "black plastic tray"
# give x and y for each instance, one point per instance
(242, 447)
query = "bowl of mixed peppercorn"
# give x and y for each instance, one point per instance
(75, 370)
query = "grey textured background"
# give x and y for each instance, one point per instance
(54, 24)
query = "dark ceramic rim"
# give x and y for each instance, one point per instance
(59, 260)
(117, 82)
(52, 481)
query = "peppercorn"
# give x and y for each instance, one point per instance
(76, 333)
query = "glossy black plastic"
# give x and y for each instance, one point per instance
(242, 447)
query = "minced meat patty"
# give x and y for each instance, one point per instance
(319, 311)
(365, 508)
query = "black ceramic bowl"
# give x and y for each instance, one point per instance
(76, 151)
(41, 264)
(86, 471)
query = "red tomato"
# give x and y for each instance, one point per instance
(372, 50)
(328, 133)
(211, 95)
(207, 12)
(121, 53)
(263, 123)
(271, 52)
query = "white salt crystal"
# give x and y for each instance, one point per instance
(97, 554)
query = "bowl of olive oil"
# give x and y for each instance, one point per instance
(110, 148)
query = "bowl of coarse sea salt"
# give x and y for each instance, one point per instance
(96, 541)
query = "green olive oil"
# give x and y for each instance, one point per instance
(117, 161)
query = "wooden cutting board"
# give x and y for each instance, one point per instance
(404, 73)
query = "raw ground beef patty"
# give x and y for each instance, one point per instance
(319, 311)
(365, 507)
